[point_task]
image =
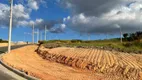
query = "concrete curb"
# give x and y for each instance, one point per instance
(22, 74)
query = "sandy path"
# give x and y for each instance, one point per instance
(27, 60)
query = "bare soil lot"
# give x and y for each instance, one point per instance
(25, 59)
(75, 63)
(114, 65)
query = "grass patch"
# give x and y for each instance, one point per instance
(113, 44)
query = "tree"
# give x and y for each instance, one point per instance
(125, 36)
(1, 40)
(132, 36)
(138, 35)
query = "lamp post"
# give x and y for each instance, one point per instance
(37, 35)
(41, 35)
(45, 33)
(10, 26)
(25, 36)
(121, 40)
(120, 35)
(33, 34)
(88, 36)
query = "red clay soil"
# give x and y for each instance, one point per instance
(25, 59)
(114, 65)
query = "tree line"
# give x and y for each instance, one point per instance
(3, 41)
(137, 36)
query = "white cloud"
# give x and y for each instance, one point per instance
(36, 23)
(19, 11)
(68, 17)
(136, 6)
(102, 19)
(63, 26)
(64, 19)
(23, 23)
(39, 20)
(31, 23)
(59, 29)
(33, 4)
(20, 15)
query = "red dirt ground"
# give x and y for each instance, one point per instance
(25, 59)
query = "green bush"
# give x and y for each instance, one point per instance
(3, 41)
(76, 41)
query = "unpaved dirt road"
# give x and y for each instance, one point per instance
(25, 59)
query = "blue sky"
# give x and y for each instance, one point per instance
(54, 12)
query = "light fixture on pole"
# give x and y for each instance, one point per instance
(10, 26)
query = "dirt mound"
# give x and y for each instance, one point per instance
(114, 65)
(27, 60)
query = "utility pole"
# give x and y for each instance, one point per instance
(88, 36)
(106, 36)
(25, 36)
(45, 33)
(41, 35)
(10, 26)
(37, 35)
(33, 33)
(121, 40)
(121, 35)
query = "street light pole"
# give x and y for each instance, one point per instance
(10, 26)
(88, 36)
(41, 35)
(37, 35)
(121, 35)
(45, 33)
(33, 33)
